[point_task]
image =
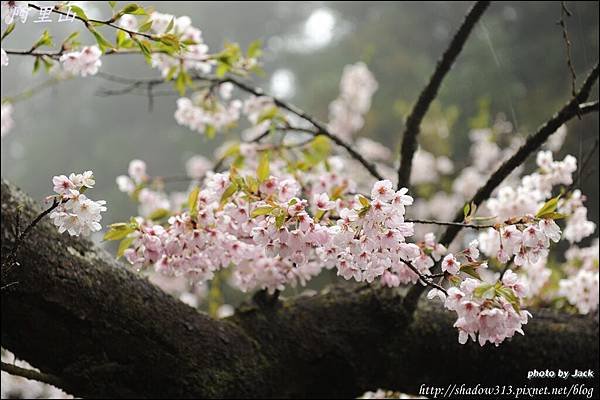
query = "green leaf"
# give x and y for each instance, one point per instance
(112, 4)
(159, 214)
(48, 63)
(549, 207)
(130, 9)
(232, 150)
(318, 151)
(101, 40)
(79, 12)
(230, 191)
(222, 69)
(180, 83)
(279, 220)
(44, 40)
(139, 10)
(555, 215)
(118, 231)
(124, 245)
(252, 184)
(171, 73)
(145, 48)
(337, 192)
(319, 215)
(363, 200)
(261, 211)
(36, 65)
(263, 170)
(171, 25)
(70, 38)
(509, 295)
(486, 291)
(210, 131)
(121, 38)
(466, 210)
(269, 114)
(146, 26)
(469, 270)
(170, 40)
(255, 49)
(9, 30)
(193, 201)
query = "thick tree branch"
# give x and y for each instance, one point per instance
(444, 64)
(78, 315)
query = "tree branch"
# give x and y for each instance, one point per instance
(320, 128)
(532, 144)
(89, 21)
(33, 374)
(444, 64)
(80, 316)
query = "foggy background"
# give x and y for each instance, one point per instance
(514, 63)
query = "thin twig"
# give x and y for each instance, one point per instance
(429, 93)
(583, 165)
(448, 223)
(564, 13)
(11, 256)
(88, 22)
(426, 279)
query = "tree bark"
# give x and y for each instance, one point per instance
(77, 314)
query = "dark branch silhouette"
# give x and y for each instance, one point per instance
(429, 93)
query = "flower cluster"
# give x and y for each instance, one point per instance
(135, 184)
(85, 62)
(206, 112)
(487, 312)
(195, 54)
(197, 166)
(214, 235)
(357, 86)
(528, 241)
(581, 287)
(578, 227)
(534, 189)
(76, 213)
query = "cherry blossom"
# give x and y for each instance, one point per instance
(486, 312)
(357, 86)
(76, 213)
(450, 264)
(85, 62)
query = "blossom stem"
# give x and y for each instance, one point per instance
(426, 279)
